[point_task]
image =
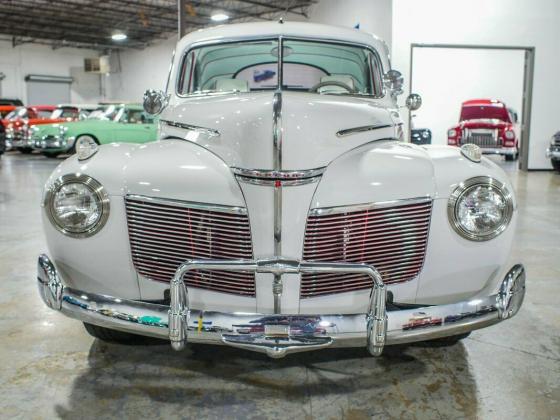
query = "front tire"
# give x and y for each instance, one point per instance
(111, 336)
(51, 154)
(83, 136)
(555, 164)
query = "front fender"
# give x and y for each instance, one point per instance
(166, 169)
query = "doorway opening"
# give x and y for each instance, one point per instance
(446, 75)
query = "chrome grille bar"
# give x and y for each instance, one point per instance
(390, 236)
(165, 233)
(482, 138)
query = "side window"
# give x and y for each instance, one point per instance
(186, 73)
(147, 118)
(377, 75)
(135, 116)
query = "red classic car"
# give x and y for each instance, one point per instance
(5, 110)
(489, 124)
(19, 122)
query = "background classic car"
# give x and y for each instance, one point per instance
(107, 124)
(489, 124)
(20, 120)
(2, 139)
(276, 199)
(553, 151)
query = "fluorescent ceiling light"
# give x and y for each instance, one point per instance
(219, 17)
(119, 36)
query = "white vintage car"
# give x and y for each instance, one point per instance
(280, 211)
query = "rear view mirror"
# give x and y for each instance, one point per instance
(413, 101)
(394, 81)
(155, 101)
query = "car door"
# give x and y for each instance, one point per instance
(135, 126)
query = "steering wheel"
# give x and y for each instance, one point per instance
(343, 85)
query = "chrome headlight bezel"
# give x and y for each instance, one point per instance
(464, 188)
(98, 191)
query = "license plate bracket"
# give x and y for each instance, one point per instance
(277, 330)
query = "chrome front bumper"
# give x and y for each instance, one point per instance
(553, 153)
(281, 334)
(20, 142)
(53, 143)
(505, 151)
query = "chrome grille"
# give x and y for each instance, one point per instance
(482, 138)
(392, 238)
(165, 233)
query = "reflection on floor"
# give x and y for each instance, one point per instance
(52, 368)
(511, 166)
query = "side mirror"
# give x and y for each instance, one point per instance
(413, 101)
(155, 101)
(394, 81)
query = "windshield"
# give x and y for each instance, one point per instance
(64, 113)
(20, 112)
(134, 116)
(107, 113)
(484, 112)
(308, 66)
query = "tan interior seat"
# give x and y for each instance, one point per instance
(343, 78)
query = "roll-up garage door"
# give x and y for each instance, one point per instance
(47, 90)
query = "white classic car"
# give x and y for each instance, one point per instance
(280, 211)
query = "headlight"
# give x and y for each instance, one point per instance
(510, 135)
(480, 208)
(452, 133)
(77, 205)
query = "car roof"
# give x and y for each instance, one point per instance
(78, 106)
(484, 102)
(289, 29)
(42, 107)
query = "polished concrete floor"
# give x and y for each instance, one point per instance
(51, 368)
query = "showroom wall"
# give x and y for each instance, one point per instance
(519, 23)
(148, 68)
(373, 15)
(140, 70)
(26, 59)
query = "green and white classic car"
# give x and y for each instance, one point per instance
(111, 123)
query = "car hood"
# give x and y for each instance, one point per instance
(307, 126)
(484, 123)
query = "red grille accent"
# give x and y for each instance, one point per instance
(163, 235)
(392, 239)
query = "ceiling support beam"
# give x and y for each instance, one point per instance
(182, 18)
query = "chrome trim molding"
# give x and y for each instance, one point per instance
(190, 204)
(278, 175)
(552, 153)
(278, 335)
(94, 186)
(321, 211)
(463, 188)
(277, 163)
(208, 131)
(362, 129)
(277, 182)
